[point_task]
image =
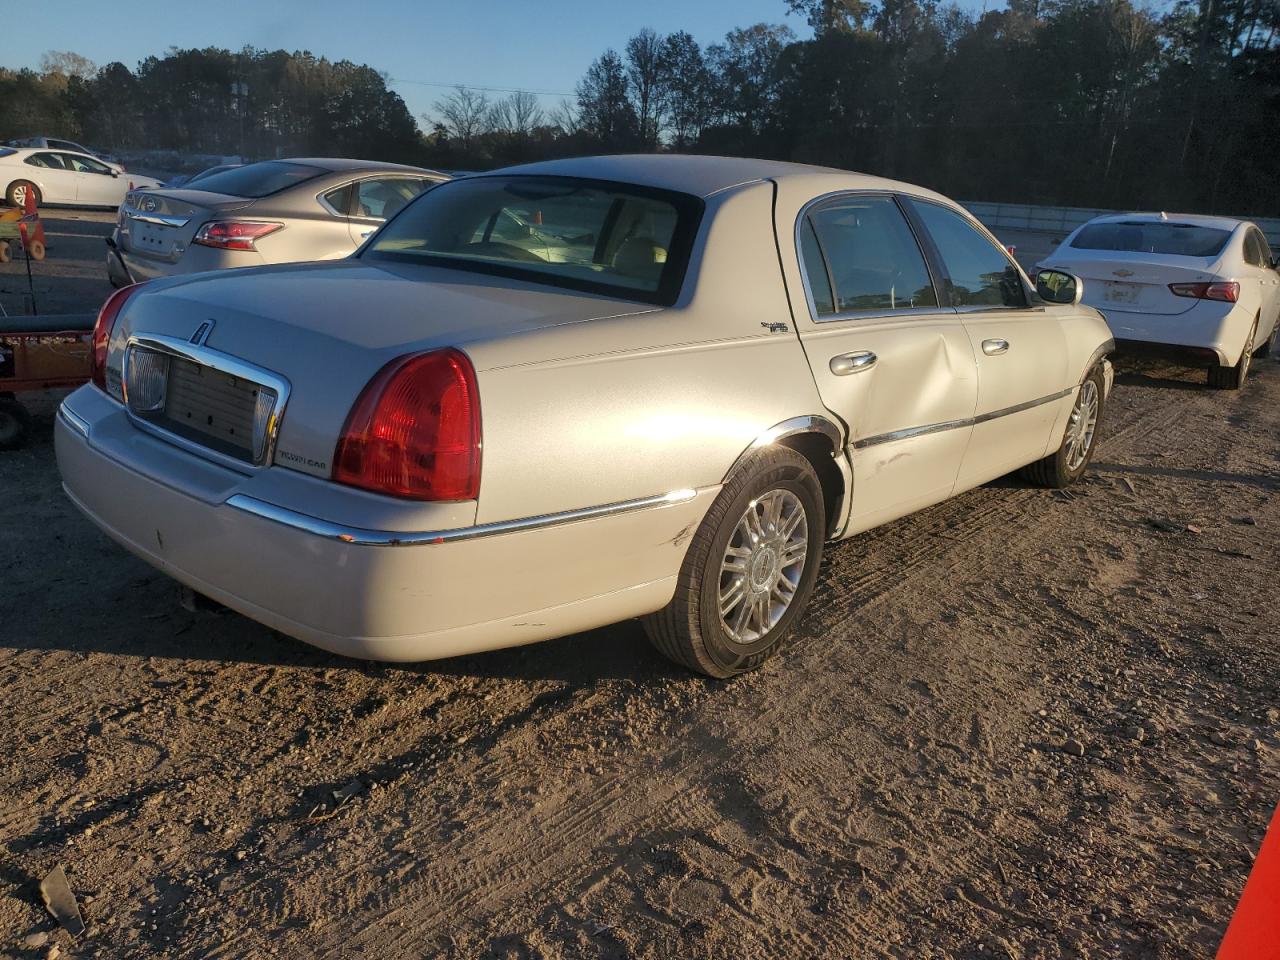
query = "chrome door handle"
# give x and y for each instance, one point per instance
(367, 233)
(846, 363)
(993, 348)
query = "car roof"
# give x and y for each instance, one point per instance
(339, 164)
(76, 153)
(698, 175)
(1192, 219)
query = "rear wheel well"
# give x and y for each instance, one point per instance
(816, 448)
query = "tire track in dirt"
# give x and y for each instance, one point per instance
(458, 843)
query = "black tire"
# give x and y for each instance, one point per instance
(12, 193)
(1056, 470)
(690, 629)
(1233, 378)
(15, 424)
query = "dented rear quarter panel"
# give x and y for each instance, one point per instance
(633, 406)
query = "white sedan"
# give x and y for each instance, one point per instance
(63, 177)
(1201, 290)
(458, 439)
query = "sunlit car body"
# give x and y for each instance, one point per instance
(64, 178)
(448, 443)
(277, 211)
(1202, 290)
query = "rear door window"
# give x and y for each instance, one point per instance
(979, 272)
(50, 161)
(860, 257)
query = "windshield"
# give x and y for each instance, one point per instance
(610, 238)
(1145, 236)
(259, 179)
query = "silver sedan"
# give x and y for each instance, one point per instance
(277, 211)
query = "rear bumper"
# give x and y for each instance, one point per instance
(1173, 352)
(373, 594)
(194, 259)
(1209, 334)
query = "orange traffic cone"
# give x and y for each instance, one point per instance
(1254, 932)
(30, 229)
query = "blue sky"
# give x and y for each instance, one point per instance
(543, 46)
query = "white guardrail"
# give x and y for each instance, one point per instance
(1062, 220)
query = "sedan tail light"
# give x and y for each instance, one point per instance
(102, 330)
(415, 430)
(1228, 292)
(234, 234)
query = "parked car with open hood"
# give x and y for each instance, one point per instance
(1202, 290)
(64, 177)
(548, 398)
(276, 211)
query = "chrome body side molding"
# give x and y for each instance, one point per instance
(921, 431)
(396, 538)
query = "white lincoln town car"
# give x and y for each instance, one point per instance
(556, 396)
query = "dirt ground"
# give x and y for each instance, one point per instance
(1018, 724)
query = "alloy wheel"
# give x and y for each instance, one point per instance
(762, 565)
(1082, 425)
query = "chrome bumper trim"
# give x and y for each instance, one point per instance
(159, 219)
(73, 420)
(396, 538)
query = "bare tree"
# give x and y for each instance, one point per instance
(604, 108)
(686, 89)
(517, 114)
(644, 78)
(67, 64)
(566, 117)
(465, 114)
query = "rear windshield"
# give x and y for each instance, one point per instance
(259, 179)
(601, 237)
(1145, 236)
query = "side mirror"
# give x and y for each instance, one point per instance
(1055, 286)
(115, 174)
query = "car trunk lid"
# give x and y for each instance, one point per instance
(160, 223)
(327, 329)
(1137, 283)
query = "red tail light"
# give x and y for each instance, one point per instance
(415, 430)
(1228, 292)
(233, 234)
(102, 328)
